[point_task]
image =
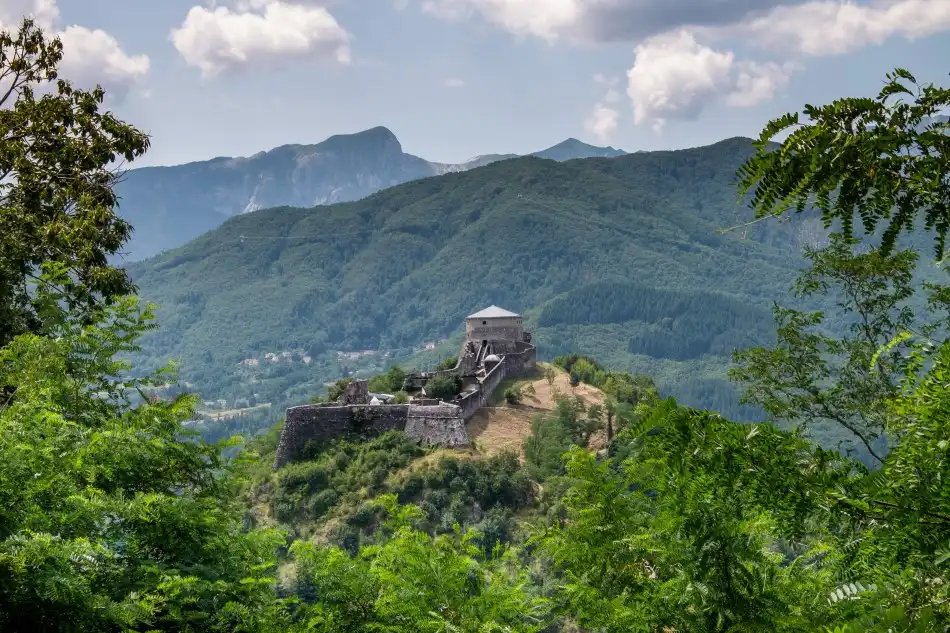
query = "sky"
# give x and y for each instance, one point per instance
(458, 78)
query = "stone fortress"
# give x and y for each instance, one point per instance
(496, 347)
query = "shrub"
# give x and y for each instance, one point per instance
(443, 386)
(447, 363)
(321, 503)
(512, 395)
(401, 397)
(342, 469)
(390, 382)
(336, 389)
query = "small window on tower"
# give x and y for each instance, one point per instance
(484, 322)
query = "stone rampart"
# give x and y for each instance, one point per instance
(309, 426)
(319, 423)
(438, 425)
(472, 402)
(356, 392)
(521, 363)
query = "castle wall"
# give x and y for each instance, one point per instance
(432, 424)
(438, 425)
(474, 401)
(520, 358)
(321, 423)
(464, 366)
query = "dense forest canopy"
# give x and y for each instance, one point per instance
(114, 517)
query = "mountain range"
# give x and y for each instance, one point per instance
(167, 206)
(621, 258)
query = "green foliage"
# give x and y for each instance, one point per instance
(479, 494)
(112, 516)
(816, 380)
(880, 159)
(674, 324)
(705, 525)
(682, 534)
(308, 490)
(443, 386)
(401, 397)
(621, 386)
(902, 511)
(512, 395)
(415, 582)
(403, 281)
(390, 382)
(335, 392)
(56, 199)
(344, 481)
(447, 363)
(583, 368)
(572, 423)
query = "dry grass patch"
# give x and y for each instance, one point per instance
(494, 429)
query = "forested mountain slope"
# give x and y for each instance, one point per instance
(621, 258)
(167, 206)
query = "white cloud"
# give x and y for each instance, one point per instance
(604, 80)
(602, 122)
(541, 18)
(812, 27)
(675, 77)
(757, 83)
(598, 20)
(221, 39)
(93, 56)
(90, 56)
(453, 82)
(831, 27)
(44, 12)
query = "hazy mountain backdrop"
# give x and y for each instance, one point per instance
(168, 206)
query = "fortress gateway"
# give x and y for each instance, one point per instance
(496, 347)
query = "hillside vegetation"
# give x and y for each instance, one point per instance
(621, 258)
(516, 446)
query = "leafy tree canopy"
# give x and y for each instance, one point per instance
(884, 160)
(813, 379)
(57, 172)
(111, 516)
